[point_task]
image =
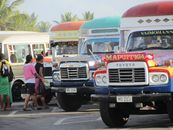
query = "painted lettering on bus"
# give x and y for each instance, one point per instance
(125, 57)
(157, 32)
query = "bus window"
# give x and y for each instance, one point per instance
(5, 51)
(18, 53)
(99, 46)
(0, 47)
(67, 48)
(38, 49)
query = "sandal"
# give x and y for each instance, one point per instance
(39, 108)
(24, 109)
(46, 107)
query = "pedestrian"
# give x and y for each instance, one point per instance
(39, 86)
(30, 75)
(5, 88)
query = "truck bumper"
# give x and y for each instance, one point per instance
(81, 86)
(88, 83)
(137, 98)
(81, 90)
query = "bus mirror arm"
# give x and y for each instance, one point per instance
(93, 55)
(89, 49)
(89, 52)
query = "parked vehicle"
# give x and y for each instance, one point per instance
(16, 45)
(141, 76)
(73, 82)
(64, 39)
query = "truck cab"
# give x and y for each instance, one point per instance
(73, 82)
(141, 74)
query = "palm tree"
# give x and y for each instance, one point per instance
(88, 15)
(68, 17)
(7, 10)
(43, 26)
(23, 22)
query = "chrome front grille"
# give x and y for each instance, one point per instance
(73, 73)
(127, 75)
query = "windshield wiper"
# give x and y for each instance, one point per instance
(137, 49)
(103, 52)
(151, 48)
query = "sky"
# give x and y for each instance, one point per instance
(51, 10)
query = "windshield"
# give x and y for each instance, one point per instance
(150, 40)
(102, 45)
(67, 48)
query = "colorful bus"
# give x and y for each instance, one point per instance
(98, 32)
(16, 45)
(73, 82)
(141, 77)
(64, 39)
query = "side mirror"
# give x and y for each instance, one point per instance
(89, 49)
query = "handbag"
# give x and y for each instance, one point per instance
(46, 84)
(41, 88)
(10, 75)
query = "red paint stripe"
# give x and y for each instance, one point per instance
(150, 9)
(99, 72)
(68, 26)
(46, 59)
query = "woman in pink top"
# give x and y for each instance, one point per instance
(29, 76)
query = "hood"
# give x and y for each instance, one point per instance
(160, 56)
(83, 58)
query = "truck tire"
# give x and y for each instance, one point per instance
(16, 91)
(48, 96)
(170, 109)
(113, 117)
(69, 102)
(161, 107)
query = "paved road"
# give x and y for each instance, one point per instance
(87, 118)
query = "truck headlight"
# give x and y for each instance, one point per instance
(158, 78)
(98, 79)
(56, 75)
(155, 78)
(104, 79)
(101, 80)
(163, 78)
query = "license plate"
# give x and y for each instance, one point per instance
(124, 99)
(71, 90)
